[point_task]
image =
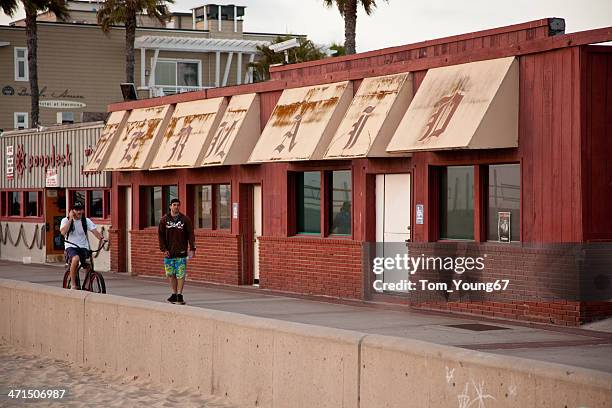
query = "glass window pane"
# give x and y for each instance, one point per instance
(203, 211)
(96, 209)
(224, 203)
(170, 193)
(504, 196)
(31, 204)
(14, 201)
(165, 73)
(341, 203)
(308, 202)
(21, 69)
(457, 202)
(21, 53)
(107, 204)
(188, 74)
(153, 201)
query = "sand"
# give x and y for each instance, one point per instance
(87, 387)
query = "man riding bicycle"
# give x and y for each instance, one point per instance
(75, 227)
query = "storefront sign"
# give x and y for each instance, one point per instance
(44, 93)
(10, 161)
(235, 211)
(420, 211)
(56, 104)
(51, 179)
(24, 160)
(503, 226)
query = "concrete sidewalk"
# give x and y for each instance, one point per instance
(573, 346)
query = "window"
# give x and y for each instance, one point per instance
(504, 195)
(341, 203)
(308, 202)
(31, 203)
(223, 206)
(213, 206)
(457, 202)
(65, 118)
(95, 202)
(203, 212)
(156, 200)
(21, 64)
(14, 203)
(95, 208)
(177, 76)
(20, 120)
(319, 190)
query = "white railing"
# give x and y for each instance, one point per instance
(162, 90)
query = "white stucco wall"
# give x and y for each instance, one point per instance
(17, 253)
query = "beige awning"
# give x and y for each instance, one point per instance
(372, 117)
(303, 122)
(237, 133)
(191, 126)
(467, 106)
(139, 138)
(108, 138)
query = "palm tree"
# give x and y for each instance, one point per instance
(32, 7)
(116, 12)
(307, 51)
(348, 10)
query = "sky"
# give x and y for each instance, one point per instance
(398, 22)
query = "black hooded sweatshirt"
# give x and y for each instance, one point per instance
(174, 235)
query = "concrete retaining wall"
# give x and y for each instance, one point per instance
(257, 362)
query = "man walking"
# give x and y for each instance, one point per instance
(175, 232)
(75, 227)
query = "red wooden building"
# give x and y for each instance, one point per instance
(510, 125)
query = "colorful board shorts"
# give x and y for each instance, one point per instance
(175, 267)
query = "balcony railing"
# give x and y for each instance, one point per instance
(163, 90)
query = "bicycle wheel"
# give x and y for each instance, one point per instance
(67, 283)
(96, 283)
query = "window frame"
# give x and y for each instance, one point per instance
(326, 197)
(17, 60)
(26, 120)
(165, 204)
(214, 188)
(4, 205)
(175, 61)
(485, 209)
(106, 202)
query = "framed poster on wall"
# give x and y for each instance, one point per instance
(503, 226)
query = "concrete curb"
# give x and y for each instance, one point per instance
(259, 362)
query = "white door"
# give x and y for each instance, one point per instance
(128, 228)
(392, 219)
(256, 230)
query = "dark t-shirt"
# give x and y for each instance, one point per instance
(174, 234)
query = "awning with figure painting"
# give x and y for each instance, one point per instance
(237, 133)
(303, 122)
(467, 106)
(137, 144)
(107, 139)
(372, 117)
(191, 126)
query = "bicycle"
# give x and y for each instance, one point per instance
(93, 281)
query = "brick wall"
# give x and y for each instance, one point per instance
(217, 258)
(328, 267)
(544, 283)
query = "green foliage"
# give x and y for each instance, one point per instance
(307, 51)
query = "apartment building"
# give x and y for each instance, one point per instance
(80, 67)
